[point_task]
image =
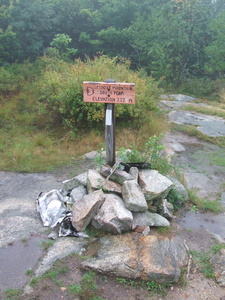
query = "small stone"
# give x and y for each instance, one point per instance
(133, 197)
(118, 176)
(143, 229)
(74, 182)
(78, 193)
(134, 173)
(149, 219)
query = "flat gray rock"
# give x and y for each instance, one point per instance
(209, 125)
(149, 219)
(60, 249)
(96, 181)
(136, 256)
(178, 97)
(77, 193)
(75, 182)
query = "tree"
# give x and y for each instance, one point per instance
(215, 51)
(59, 47)
(170, 39)
(7, 35)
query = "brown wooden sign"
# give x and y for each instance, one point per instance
(104, 92)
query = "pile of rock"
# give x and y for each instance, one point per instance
(122, 201)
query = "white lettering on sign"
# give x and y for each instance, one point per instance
(104, 92)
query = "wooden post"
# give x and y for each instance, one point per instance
(110, 125)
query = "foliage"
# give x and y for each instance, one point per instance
(202, 259)
(13, 294)
(47, 244)
(217, 247)
(151, 153)
(203, 204)
(215, 50)
(87, 289)
(172, 40)
(202, 88)
(52, 274)
(152, 286)
(59, 47)
(61, 95)
(175, 198)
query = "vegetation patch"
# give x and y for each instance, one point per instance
(203, 204)
(175, 198)
(202, 259)
(193, 131)
(13, 294)
(151, 286)
(206, 110)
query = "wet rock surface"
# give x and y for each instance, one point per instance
(140, 257)
(19, 221)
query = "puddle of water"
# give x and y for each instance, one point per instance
(212, 223)
(16, 259)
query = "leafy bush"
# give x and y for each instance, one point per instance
(14, 77)
(60, 92)
(151, 153)
(175, 198)
(202, 88)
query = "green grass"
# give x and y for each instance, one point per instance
(202, 259)
(193, 131)
(216, 248)
(29, 272)
(153, 287)
(206, 110)
(203, 204)
(217, 157)
(13, 294)
(87, 289)
(52, 274)
(164, 229)
(46, 244)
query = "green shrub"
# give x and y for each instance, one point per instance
(202, 88)
(61, 92)
(150, 153)
(175, 198)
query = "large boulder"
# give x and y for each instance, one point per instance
(140, 257)
(86, 208)
(133, 197)
(149, 219)
(96, 181)
(113, 216)
(153, 184)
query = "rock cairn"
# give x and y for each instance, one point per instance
(121, 202)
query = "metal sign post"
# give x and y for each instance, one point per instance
(110, 125)
(110, 93)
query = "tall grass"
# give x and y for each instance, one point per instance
(44, 122)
